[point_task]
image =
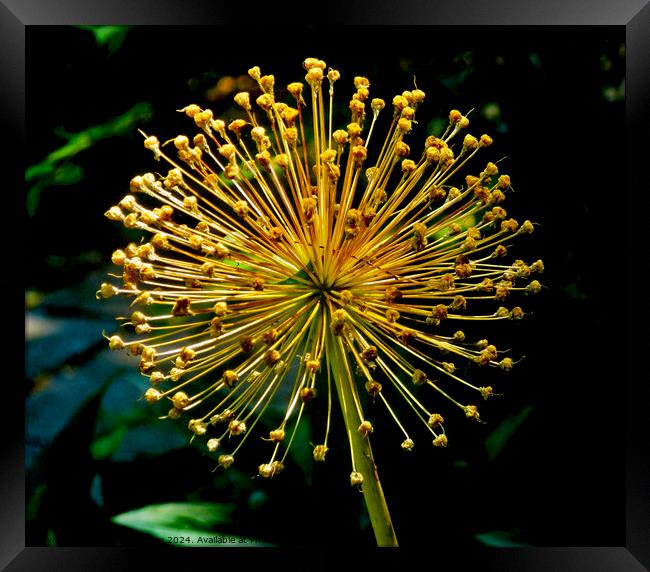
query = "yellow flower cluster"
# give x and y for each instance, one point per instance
(288, 260)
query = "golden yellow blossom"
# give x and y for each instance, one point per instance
(286, 252)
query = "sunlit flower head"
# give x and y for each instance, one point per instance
(288, 259)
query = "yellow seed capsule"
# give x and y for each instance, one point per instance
(373, 388)
(275, 234)
(470, 142)
(226, 461)
(151, 395)
(131, 220)
(485, 140)
(408, 113)
(174, 413)
(516, 313)
(148, 353)
(276, 435)
(180, 400)
(448, 367)
(156, 378)
(307, 394)
(534, 287)
(243, 99)
(216, 327)
(106, 291)
(114, 213)
(408, 166)
(291, 136)
(419, 377)
(236, 126)
(265, 470)
(230, 378)
(310, 63)
(357, 108)
(312, 365)
(359, 153)
(356, 478)
(440, 441)
(404, 125)
(197, 427)
(333, 75)
(537, 266)
(159, 241)
(392, 315)
(181, 142)
(241, 208)
(340, 136)
(455, 116)
(418, 96)
(213, 445)
(365, 428)
(319, 452)
(527, 227)
(471, 412)
(486, 392)
(138, 318)
(314, 77)
(408, 444)
(118, 257)
(295, 89)
(237, 427)
(220, 309)
(377, 105)
(271, 357)
(182, 307)
(128, 203)
(277, 466)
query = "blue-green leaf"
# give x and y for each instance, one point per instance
(499, 538)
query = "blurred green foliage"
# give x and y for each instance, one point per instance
(498, 439)
(109, 36)
(56, 170)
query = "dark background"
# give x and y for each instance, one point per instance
(552, 99)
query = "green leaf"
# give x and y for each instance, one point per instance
(499, 538)
(106, 445)
(110, 36)
(437, 126)
(185, 524)
(78, 142)
(34, 502)
(236, 263)
(301, 450)
(500, 436)
(54, 171)
(300, 277)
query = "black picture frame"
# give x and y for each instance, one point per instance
(634, 15)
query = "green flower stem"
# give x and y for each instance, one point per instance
(362, 455)
(371, 488)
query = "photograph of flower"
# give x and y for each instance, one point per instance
(330, 286)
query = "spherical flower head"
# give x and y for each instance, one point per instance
(276, 268)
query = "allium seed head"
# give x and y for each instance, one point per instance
(277, 265)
